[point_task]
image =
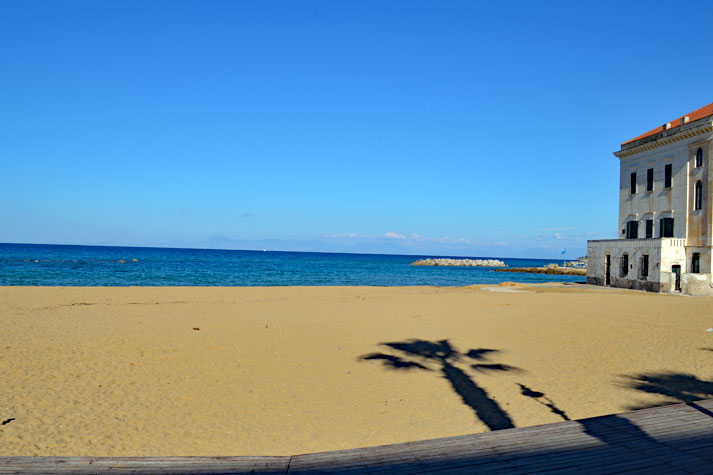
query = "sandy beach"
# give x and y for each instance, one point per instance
(287, 370)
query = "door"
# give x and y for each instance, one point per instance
(607, 270)
(677, 273)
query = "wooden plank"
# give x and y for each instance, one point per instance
(692, 432)
(580, 457)
(702, 468)
(139, 465)
(666, 439)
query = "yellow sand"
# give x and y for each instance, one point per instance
(274, 371)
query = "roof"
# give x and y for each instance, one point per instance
(704, 111)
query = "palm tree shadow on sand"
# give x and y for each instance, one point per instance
(674, 387)
(423, 354)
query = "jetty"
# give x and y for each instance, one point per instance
(547, 270)
(669, 439)
(460, 262)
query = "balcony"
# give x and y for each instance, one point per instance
(638, 243)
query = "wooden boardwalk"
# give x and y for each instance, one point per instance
(666, 440)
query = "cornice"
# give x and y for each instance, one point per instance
(661, 142)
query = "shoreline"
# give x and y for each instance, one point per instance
(277, 370)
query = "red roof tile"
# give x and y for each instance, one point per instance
(695, 115)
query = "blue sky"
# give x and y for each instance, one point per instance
(464, 128)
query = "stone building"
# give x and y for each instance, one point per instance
(665, 211)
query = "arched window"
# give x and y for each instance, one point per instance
(699, 195)
(699, 157)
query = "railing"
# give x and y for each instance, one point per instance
(645, 242)
(648, 242)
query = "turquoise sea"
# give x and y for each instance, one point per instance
(41, 264)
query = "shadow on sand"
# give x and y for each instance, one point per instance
(424, 355)
(614, 430)
(541, 398)
(674, 387)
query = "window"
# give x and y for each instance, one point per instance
(645, 265)
(650, 179)
(632, 229)
(667, 176)
(633, 183)
(699, 157)
(624, 265)
(649, 228)
(699, 195)
(696, 263)
(666, 229)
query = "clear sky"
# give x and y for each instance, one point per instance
(458, 127)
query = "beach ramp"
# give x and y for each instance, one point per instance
(669, 439)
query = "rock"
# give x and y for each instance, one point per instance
(460, 262)
(546, 270)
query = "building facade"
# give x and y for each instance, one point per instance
(665, 210)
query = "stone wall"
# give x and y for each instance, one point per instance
(697, 284)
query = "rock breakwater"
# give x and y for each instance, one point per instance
(547, 270)
(460, 262)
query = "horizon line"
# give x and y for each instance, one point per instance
(282, 250)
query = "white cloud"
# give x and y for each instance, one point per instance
(392, 235)
(341, 236)
(414, 241)
(411, 238)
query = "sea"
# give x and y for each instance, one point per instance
(64, 265)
